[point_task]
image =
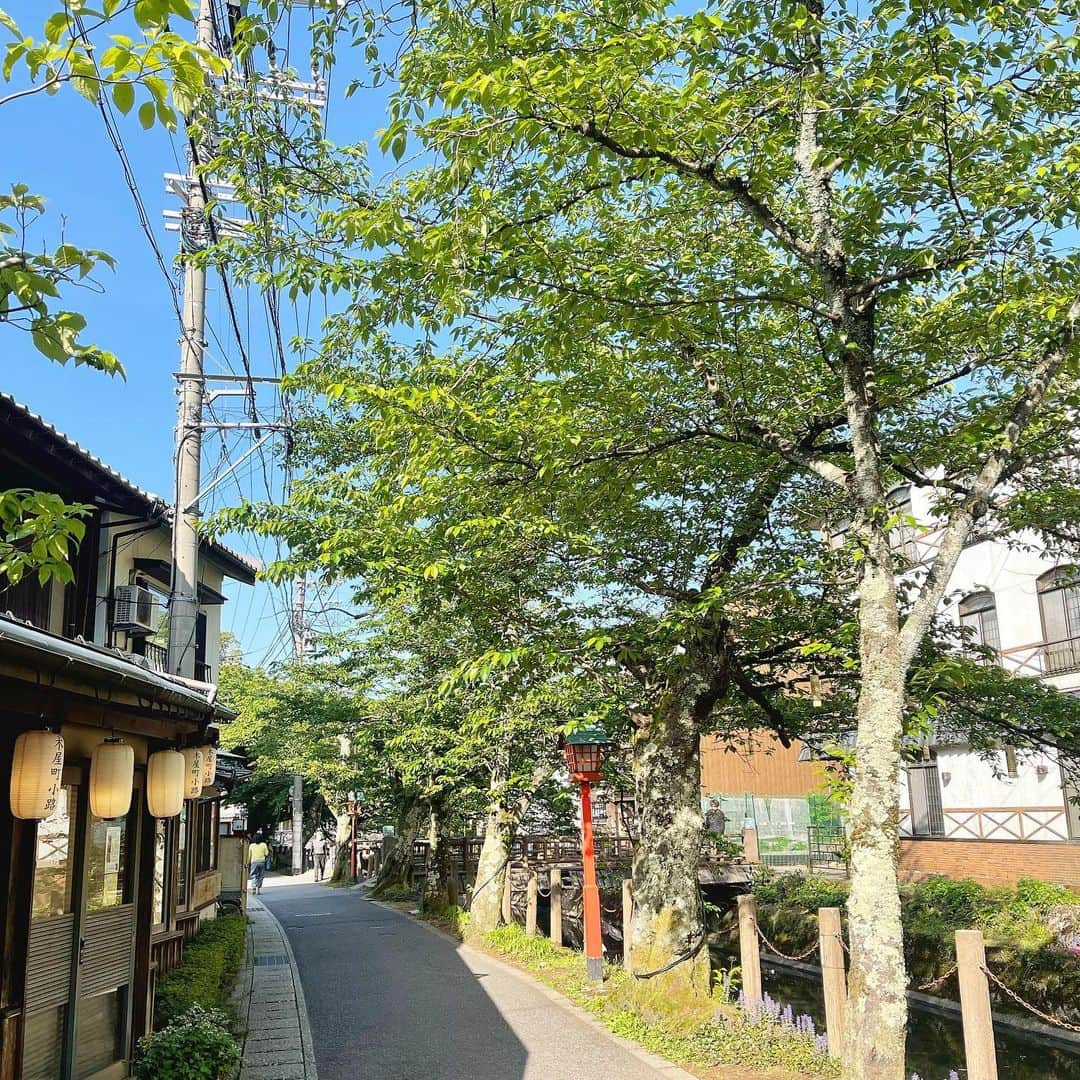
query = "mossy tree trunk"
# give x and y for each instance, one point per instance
(503, 818)
(396, 872)
(436, 862)
(668, 918)
(485, 906)
(342, 847)
(876, 1023)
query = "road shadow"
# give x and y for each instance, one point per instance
(387, 998)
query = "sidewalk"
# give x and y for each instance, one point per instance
(270, 1003)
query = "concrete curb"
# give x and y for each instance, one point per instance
(660, 1065)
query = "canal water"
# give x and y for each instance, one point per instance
(935, 1043)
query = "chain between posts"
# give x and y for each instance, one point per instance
(784, 956)
(939, 980)
(1027, 1005)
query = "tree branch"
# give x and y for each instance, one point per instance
(963, 518)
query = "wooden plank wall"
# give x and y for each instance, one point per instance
(756, 761)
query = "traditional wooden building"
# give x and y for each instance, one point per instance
(94, 909)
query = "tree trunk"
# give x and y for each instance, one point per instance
(396, 873)
(876, 1022)
(668, 919)
(485, 906)
(877, 1006)
(342, 848)
(436, 864)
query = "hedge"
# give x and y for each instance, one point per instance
(206, 973)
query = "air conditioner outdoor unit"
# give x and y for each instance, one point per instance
(134, 609)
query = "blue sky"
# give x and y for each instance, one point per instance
(58, 146)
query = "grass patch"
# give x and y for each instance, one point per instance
(394, 892)
(683, 1032)
(451, 918)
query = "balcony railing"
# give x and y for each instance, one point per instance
(996, 823)
(157, 656)
(1042, 659)
(1062, 656)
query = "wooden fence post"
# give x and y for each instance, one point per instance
(530, 905)
(750, 846)
(749, 954)
(833, 977)
(453, 890)
(508, 897)
(627, 923)
(975, 1006)
(556, 906)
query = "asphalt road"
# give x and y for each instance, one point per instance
(389, 999)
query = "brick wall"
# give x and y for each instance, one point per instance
(991, 862)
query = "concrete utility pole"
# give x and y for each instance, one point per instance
(299, 628)
(184, 595)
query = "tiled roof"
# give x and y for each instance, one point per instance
(155, 504)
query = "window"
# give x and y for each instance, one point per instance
(161, 837)
(924, 787)
(902, 535)
(181, 860)
(1070, 789)
(55, 852)
(106, 864)
(1059, 604)
(978, 613)
(28, 600)
(206, 842)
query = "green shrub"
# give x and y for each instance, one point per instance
(798, 890)
(1041, 895)
(946, 904)
(195, 1046)
(205, 975)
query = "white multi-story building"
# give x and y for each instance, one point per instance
(1016, 815)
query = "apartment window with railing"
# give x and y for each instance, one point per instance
(1059, 604)
(978, 614)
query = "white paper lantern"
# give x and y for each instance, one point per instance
(209, 769)
(165, 783)
(112, 777)
(36, 772)
(193, 770)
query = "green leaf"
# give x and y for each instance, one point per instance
(147, 113)
(123, 94)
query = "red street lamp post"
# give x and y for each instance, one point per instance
(584, 752)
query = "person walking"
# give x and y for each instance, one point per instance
(322, 854)
(258, 853)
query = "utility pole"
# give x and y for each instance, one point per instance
(299, 629)
(184, 594)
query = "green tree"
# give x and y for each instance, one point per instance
(777, 255)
